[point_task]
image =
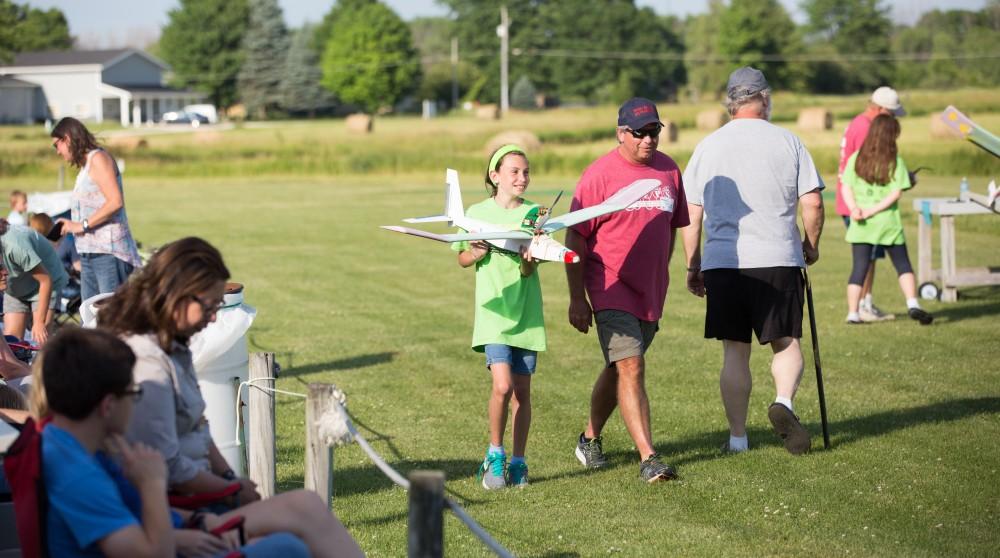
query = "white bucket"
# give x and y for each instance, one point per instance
(222, 362)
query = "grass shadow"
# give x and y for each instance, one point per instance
(951, 314)
(366, 478)
(349, 363)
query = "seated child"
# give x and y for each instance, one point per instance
(18, 208)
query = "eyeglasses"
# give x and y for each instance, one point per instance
(651, 132)
(135, 392)
(209, 308)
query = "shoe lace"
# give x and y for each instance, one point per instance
(498, 464)
(593, 448)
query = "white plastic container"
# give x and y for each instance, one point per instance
(222, 362)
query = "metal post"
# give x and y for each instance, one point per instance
(260, 397)
(454, 73)
(504, 32)
(319, 454)
(426, 521)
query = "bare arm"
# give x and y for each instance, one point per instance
(38, 332)
(882, 205)
(692, 250)
(580, 312)
(477, 251)
(812, 221)
(847, 193)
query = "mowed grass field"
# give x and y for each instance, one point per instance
(914, 411)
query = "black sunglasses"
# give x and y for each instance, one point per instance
(133, 392)
(652, 132)
(209, 308)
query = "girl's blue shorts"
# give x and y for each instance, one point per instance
(521, 361)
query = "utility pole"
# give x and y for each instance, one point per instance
(454, 73)
(503, 31)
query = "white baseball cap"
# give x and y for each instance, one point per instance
(887, 98)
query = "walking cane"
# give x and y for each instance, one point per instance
(819, 368)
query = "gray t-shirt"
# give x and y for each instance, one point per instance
(748, 176)
(23, 250)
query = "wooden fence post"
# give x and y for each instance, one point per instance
(260, 399)
(426, 521)
(319, 454)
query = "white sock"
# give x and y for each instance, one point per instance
(495, 449)
(912, 303)
(738, 443)
(853, 317)
(866, 302)
(784, 401)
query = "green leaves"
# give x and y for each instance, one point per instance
(23, 28)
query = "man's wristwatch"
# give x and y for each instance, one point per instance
(86, 226)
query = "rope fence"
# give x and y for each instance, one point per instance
(328, 424)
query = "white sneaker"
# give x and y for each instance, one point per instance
(873, 314)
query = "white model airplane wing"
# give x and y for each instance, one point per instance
(458, 237)
(622, 199)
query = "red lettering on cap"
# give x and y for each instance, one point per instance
(639, 111)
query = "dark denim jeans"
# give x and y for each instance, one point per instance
(101, 273)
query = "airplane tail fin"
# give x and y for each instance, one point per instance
(453, 207)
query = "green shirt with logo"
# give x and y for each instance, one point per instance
(885, 228)
(508, 305)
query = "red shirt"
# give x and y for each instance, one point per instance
(626, 266)
(854, 136)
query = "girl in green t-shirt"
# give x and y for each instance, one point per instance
(508, 325)
(874, 180)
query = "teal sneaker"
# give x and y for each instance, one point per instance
(493, 471)
(518, 474)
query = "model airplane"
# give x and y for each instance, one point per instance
(534, 233)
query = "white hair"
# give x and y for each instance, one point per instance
(762, 97)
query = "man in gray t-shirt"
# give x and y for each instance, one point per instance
(749, 179)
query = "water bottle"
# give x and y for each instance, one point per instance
(963, 190)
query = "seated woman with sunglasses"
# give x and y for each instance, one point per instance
(175, 295)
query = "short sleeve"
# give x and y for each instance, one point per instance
(23, 257)
(901, 178)
(680, 218)
(693, 187)
(589, 192)
(809, 179)
(461, 246)
(850, 176)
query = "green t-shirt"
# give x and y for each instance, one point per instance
(885, 228)
(23, 250)
(508, 306)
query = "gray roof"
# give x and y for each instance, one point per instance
(75, 57)
(7, 81)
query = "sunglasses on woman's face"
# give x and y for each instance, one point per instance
(644, 132)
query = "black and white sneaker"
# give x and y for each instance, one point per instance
(921, 315)
(591, 453)
(653, 470)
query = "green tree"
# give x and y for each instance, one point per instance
(852, 31)
(23, 28)
(949, 46)
(759, 33)
(369, 59)
(706, 71)
(522, 95)
(301, 91)
(203, 42)
(265, 51)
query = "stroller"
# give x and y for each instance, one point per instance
(67, 308)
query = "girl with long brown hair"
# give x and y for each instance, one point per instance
(874, 180)
(98, 223)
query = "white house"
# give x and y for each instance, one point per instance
(91, 85)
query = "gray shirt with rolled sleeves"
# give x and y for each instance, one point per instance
(748, 176)
(170, 415)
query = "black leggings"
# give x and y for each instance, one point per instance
(863, 258)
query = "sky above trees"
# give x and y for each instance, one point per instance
(116, 23)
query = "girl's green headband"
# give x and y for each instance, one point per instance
(500, 154)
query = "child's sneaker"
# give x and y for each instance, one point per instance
(518, 474)
(493, 471)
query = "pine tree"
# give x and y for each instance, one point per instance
(265, 50)
(301, 90)
(522, 96)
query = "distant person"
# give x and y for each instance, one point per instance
(748, 179)
(874, 180)
(108, 253)
(18, 208)
(884, 101)
(35, 279)
(508, 325)
(173, 297)
(64, 245)
(623, 273)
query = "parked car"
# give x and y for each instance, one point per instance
(184, 117)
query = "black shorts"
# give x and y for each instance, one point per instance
(766, 301)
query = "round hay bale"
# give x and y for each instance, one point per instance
(523, 138)
(361, 123)
(940, 129)
(711, 119)
(207, 137)
(815, 118)
(128, 143)
(237, 112)
(488, 112)
(669, 132)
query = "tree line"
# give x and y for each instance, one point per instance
(363, 55)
